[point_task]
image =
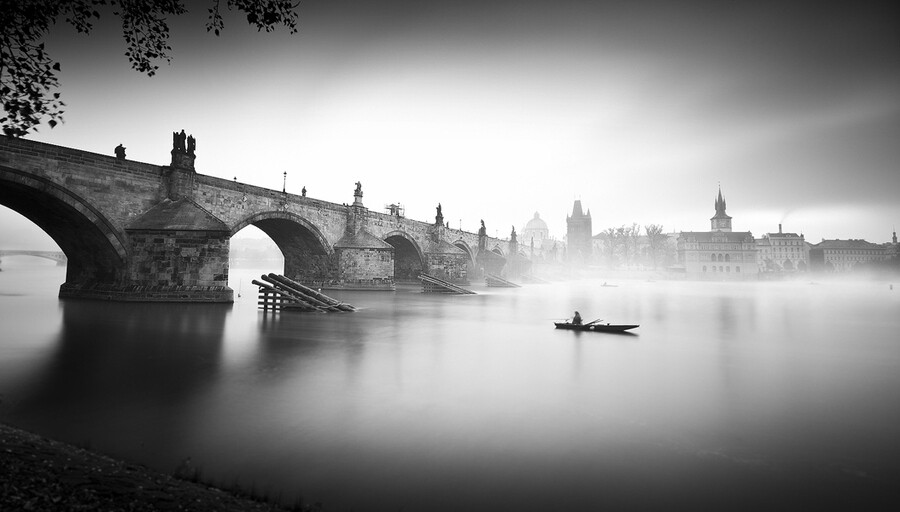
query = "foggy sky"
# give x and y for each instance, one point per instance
(500, 109)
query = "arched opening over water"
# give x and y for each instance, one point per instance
(96, 250)
(409, 261)
(305, 253)
(471, 266)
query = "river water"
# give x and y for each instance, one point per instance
(757, 396)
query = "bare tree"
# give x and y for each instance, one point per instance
(657, 242)
(609, 246)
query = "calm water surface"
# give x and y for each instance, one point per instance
(730, 395)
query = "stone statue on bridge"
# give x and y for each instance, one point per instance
(482, 237)
(120, 152)
(439, 218)
(183, 147)
(178, 141)
(357, 195)
(512, 236)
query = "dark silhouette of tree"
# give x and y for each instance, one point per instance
(28, 80)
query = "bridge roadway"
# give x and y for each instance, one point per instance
(141, 232)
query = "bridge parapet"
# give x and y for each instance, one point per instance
(136, 231)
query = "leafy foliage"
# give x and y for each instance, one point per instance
(28, 75)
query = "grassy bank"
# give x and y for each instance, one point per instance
(42, 474)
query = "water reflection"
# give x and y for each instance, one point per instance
(119, 363)
(728, 396)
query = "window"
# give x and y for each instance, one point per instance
(737, 269)
(704, 268)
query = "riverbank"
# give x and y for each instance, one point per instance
(41, 474)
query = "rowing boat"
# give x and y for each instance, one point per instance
(594, 327)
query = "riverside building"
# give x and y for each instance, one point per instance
(782, 252)
(719, 253)
(844, 255)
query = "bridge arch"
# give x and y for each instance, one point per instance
(470, 253)
(97, 251)
(307, 253)
(409, 260)
(471, 263)
(274, 224)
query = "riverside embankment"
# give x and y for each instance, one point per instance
(41, 474)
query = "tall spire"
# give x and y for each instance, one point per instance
(721, 221)
(720, 203)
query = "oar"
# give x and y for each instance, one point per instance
(594, 321)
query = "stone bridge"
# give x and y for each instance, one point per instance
(58, 257)
(143, 232)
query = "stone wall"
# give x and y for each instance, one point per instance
(452, 267)
(366, 268)
(120, 189)
(179, 258)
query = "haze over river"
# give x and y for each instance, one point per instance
(759, 396)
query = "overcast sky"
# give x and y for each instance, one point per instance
(498, 109)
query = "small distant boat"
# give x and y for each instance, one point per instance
(609, 285)
(596, 327)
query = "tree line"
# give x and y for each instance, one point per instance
(625, 246)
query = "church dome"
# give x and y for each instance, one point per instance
(535, 231)
(536, 224)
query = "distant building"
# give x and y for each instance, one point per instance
(535, 232)
(892, 249)
(578, 235)
(535, 240)
(844, 255)
(719, 253)
(782, 252)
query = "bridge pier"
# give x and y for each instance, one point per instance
(362, 260)
(443, 259)
(179, 253)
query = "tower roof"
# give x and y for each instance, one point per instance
(577, 211)
(720, 207)
(177, 215)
